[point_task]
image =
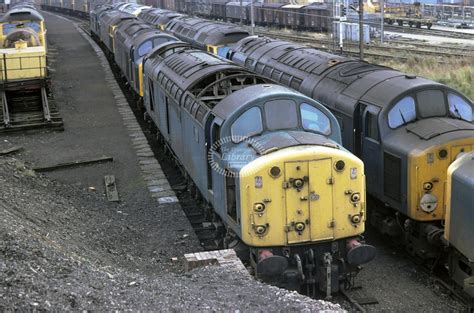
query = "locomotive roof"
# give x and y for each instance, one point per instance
(114, 17)
(133, 32)
(151, 13)
(337, 81)
(204, 32)
(22, 13)
(165, 48)
(231, 103)
(147, 35)
(101, 8)
(118, 5)
(133, 8)
(188, 67)
(164, 18)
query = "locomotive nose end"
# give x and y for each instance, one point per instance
(358, 253)
(271, 265)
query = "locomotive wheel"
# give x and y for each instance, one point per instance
(272, 266)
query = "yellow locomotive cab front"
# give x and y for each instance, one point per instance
(427, 178)
(301, 195)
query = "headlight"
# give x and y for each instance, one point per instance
(428, 186)
(428, 202)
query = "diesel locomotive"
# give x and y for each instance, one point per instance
(406, 129)
(291, 198)
(23, 68)
(459, 216)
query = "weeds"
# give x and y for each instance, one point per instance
(456, 73)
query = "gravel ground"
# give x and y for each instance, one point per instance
(64, 248)
(397, 284)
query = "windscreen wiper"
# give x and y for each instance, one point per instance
(403, 118)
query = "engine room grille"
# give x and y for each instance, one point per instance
(392, 176)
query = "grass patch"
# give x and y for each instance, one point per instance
(456, 73)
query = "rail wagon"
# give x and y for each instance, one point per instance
(218, 10)
(274, 180)
(406, 129)
(67, 6)
(272, 14)
(234, 12)
(291, 17)
(317, 16)
(81, 8)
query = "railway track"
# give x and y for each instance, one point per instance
(24, 110)
(453, 48)
(428, 32)
(375, 51)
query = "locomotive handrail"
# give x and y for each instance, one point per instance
(6, 68)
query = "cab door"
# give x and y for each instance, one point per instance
(371, 150)
(309, 200)
(320, 199)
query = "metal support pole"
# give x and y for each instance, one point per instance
(361, 29)
(252, 21)
(382, 13)
(341, 34)
(241, 12)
